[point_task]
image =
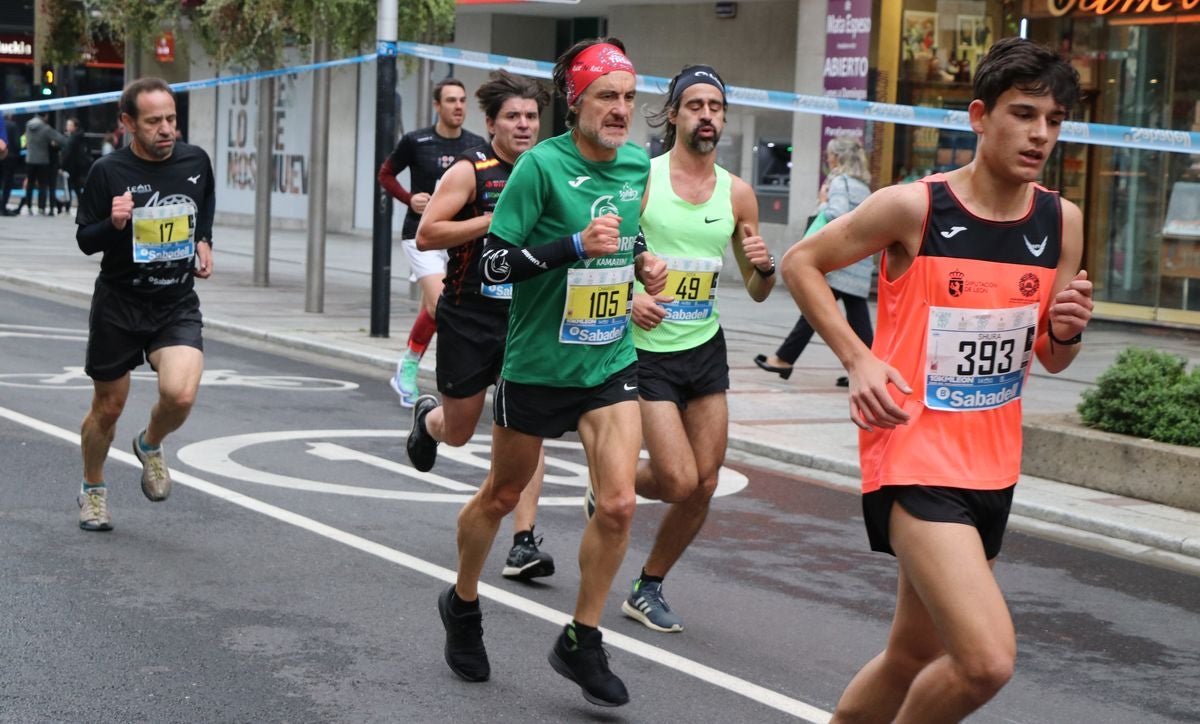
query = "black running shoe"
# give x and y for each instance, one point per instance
(586, 663)
(525, 561)
(464, 641)
(422, 448)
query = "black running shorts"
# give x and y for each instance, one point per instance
(551, 411)
(681, 376)
(470, 348)
(986, 510)
(123, 330)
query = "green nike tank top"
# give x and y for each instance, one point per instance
(691, 238)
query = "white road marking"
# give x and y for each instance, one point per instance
(215, 456)
(340, 453)
(707, 674)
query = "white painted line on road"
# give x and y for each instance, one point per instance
(707, 674)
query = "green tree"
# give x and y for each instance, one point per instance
(250, 33)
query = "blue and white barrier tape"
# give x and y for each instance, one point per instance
(1149, 139)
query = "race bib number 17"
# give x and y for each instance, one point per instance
(163, 233)
(976, 359)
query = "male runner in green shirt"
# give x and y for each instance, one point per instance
(564, 232)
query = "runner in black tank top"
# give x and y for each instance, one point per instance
(472, 317)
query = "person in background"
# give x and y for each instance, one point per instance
(847, 186)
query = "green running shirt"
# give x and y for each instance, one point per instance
(692, 239)
(578, 340)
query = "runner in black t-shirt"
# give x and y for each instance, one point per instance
(149, 208)
(472, 318)
(427, 153)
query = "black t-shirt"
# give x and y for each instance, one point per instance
(160, 265)
(463, 279)
(427, 155)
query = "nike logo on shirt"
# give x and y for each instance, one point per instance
(709, 221)
(954, 230)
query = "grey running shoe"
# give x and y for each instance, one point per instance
(156, 479)
(586, 663)
(464, 651)
(525, 561)
(93, 510)
(422, 448)
(646, 604)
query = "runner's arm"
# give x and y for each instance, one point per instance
(439, 229)
(1071, 307)
(394, 164)
(753, 259)
(97, 236)
(891, 219)
(503, 262)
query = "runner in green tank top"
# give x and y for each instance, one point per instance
(564, 233)
(694, 209)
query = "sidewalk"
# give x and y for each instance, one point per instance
(801, 421)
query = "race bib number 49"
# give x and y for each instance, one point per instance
(163, 233)
(976, 359)
(598, 305)
(693, 284)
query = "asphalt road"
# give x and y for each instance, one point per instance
(293, 573)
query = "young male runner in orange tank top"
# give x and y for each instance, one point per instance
(980, 273)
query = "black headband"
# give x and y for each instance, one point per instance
(694, 74)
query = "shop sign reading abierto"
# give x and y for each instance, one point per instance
(1105, 7)
(847, 46)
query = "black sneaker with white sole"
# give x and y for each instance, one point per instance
(525, 561)
(422, 448)
(586, 663)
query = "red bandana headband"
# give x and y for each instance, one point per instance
(591, 63)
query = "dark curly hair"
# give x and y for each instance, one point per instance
(502, 85)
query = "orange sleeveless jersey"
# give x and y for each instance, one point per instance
(960, 325)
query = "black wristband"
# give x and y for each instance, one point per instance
(769, 273)
(639, 244)
(1064, 342)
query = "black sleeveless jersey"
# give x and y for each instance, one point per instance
(952, 231)
(462, 269)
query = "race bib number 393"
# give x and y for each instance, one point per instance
(693, 284)
(598, 305)
(163, 233)
(976, 359)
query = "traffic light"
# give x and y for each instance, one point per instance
(47, 81)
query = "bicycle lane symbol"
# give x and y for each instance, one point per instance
(216, 456)
(74, 378)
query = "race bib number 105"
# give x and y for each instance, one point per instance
(976, 359)
(163, 233)
(598, 305)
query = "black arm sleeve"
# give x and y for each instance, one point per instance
(503, 262)
(97, 236)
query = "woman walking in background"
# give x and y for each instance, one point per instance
(847, 185)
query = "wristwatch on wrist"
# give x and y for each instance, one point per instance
(769, 272)
(1065, 342)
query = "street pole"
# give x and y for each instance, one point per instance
(385, 138)
(314, 288)
(263, 181)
